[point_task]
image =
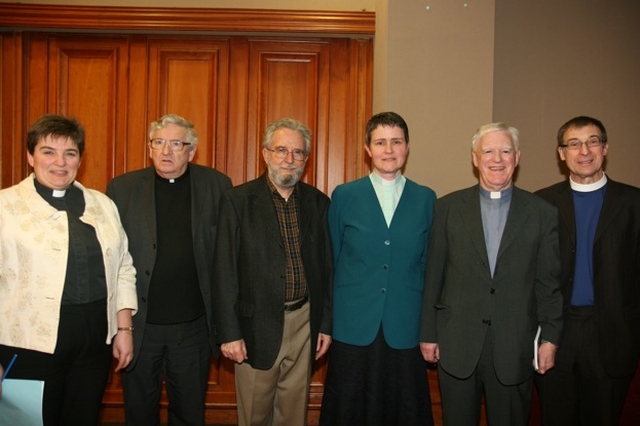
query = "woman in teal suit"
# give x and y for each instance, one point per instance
(380, 227)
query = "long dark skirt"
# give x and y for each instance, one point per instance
(376, 385)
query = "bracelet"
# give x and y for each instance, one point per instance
(129, 329)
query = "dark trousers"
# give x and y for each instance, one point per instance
(577, 391)
(507, 405)
(180, 353)
(76, 374)
(376, 385)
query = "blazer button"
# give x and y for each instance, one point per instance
(387, 242)
(383, 290)
(493, 290)
(385, 266)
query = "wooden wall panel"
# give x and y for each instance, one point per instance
(230, 86)
(14, 163)
(73, 76)
(284, 81)
(190, 77)
(133, 150)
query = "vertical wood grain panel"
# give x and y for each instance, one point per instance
(189, 77)
(12, 120)
(285, 81)
(86, 80)
(132, 151)
(230, 87)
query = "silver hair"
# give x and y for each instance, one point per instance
(287, 123)
(161, 123)
(496, 127)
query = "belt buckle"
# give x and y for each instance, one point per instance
(294, 306)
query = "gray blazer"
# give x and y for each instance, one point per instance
(461, 299)
(134, 194)
(249, 269)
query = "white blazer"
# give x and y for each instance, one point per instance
(34, 242)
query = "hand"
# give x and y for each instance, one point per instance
(236, 351)
(430, 352)
(123, 349)
(324, 340)
(546, 357)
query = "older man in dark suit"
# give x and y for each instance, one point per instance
(273, 277)
(600, 256)
(492, 278)
(170, 213)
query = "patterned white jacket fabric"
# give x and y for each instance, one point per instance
(34, 242)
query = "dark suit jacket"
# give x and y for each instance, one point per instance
(616, 270)
(461, 298)
(379, 269)
(134, 194)
(250, 266)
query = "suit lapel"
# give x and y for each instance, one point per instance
(610, 208)
(472, 221)
(402, 209)
(303, 213)
(564, 203)
(148, 197)
(517, 217)
(197, 200)
(267, 212)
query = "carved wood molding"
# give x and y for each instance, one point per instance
(149, 19)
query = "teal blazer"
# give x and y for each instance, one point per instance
(379, 269)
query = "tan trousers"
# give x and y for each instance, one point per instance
(278, 396)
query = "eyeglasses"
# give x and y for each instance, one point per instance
(174, 144)
(575, 144)
(282, 152)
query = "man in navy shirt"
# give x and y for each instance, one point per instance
(600, 283)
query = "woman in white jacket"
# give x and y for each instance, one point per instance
(67, 281)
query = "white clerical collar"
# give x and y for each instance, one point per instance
(589, 187)
(496, 195)
(393, 182)
(57, 193)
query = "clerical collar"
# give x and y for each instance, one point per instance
(496, 195)
(589, 187)
(393, 182)
(47, 192)
(182, 177)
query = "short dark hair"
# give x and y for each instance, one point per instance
(57, 126)
(580, 122)
(388, 118)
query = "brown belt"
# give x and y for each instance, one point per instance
(295, 305)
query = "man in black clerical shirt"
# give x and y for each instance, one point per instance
(170, 213)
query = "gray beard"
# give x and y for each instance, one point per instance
(285, 181)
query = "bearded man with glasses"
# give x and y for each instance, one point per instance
(170, 213)
(600, 284)
(273, 280)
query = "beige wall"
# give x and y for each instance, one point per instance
(449, 67)
(555, 60)
(438, 74)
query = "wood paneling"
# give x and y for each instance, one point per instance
(190, 77)
(190, 19)
(230, 85)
